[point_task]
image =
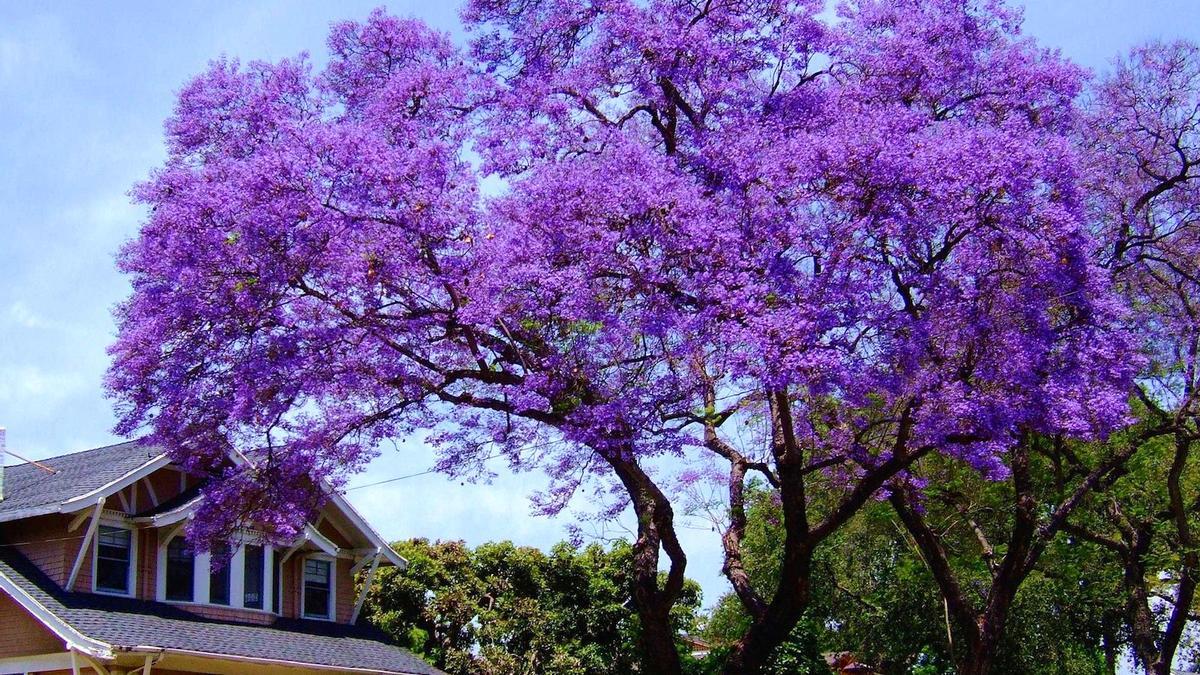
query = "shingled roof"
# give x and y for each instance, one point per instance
(139, 625)
(31, 491)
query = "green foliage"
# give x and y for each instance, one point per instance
(873, 596)
(506, 609)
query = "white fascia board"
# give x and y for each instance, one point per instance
(361, 523)
(74, 639)
(354, 517)
(89, 499)
(272, 662)
(322, 542)
(173, 516)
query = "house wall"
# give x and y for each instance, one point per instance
(147, 573)
(21, 634)
(47, 543)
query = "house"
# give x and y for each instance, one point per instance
(95, 577)
(845, 663)
(698, 647)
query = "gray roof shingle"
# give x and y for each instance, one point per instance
(127, 623)
(30, 491)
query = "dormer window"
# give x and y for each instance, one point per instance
(114, 556)
(181, 571)
(318, 589)
(254, 577)
(218, 578)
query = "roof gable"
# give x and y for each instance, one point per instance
(100, 625)
(30, 491)
(82, 478)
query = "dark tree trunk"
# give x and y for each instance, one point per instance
(751, 654)
(656, 532)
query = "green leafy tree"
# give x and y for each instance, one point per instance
(875, 598)
(506, 609)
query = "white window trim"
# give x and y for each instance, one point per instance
(202, 577)
(107, 521)
(240, 584)
(332, 560)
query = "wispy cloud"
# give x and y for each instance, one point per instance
(36, 386)
(20, 314)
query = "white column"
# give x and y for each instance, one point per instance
(203, 570)
(237, 577)
(269, 580)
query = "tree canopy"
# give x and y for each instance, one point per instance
(819, 251)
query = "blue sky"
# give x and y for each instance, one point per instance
(84, 88)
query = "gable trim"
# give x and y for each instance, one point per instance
(361, 523)
(112, 487)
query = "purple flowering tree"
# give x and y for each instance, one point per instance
(1143, 132)
(865, 237)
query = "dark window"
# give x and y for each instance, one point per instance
(277, 579)
(218, 576)
(253, 596)
(317, 588)
(113, 555)
(181, 570)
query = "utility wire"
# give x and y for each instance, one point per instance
(429, 471)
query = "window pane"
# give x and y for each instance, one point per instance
(181, 571)
(113, 554)
(254, 578)
(277, 579)
(218, 576)
(316, 588)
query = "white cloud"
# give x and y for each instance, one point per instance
(37, 388)
(20, 314)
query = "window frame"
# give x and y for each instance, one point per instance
(227, 572)
(202, 576)
(131, 573)
(263, 573)
(332, 611)
(164, 570)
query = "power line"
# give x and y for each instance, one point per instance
(429, 471)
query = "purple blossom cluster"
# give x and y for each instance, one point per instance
(883, 223)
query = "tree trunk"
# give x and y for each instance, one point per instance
(750, 655)
(656, 532)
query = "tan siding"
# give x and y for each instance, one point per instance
(291, 588)
(345, 591)
(148, 564)
(232, 614)
(166, 484)
(23, 635)
(46, 543)
(332, 534)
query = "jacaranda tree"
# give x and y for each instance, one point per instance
(1142, 132)
(866, 232)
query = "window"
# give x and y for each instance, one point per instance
(181, 571)
(218, 575)
(277, 576)
(255, 583)
(318, 588)
(114, 553)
